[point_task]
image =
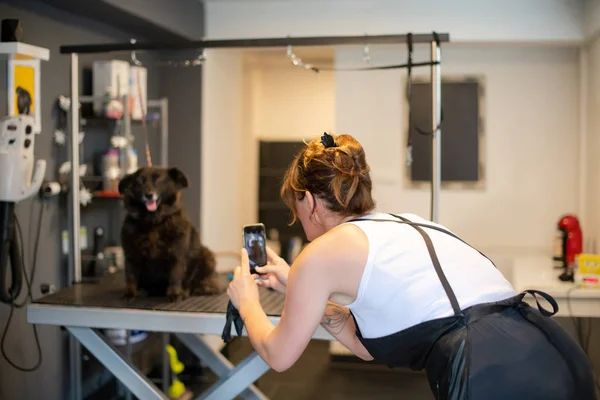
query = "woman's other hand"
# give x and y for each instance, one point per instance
(274, 275)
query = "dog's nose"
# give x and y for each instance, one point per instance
(149, 196)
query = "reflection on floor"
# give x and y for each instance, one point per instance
(315, 376)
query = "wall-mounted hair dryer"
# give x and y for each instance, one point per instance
(18, 181)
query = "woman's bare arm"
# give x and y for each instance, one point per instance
(331, 264)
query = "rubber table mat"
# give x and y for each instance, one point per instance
(108, 293)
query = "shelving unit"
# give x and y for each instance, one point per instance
(106, 211)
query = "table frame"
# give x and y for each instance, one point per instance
(83, 322)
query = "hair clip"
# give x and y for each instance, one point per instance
(328, 140)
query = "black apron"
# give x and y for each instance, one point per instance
(501, 350)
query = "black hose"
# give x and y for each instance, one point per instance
(9, 254)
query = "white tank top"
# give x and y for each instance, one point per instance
(399, 286)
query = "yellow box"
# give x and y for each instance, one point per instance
(588, 270)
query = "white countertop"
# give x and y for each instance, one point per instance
(536, 272)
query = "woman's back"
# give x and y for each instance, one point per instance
(400, 288)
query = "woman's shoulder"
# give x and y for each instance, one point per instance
(345, 243)
(391, 216)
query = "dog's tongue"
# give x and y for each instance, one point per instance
(151, 205)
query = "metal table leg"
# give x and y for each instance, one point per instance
(237, 380)
(166, 363)
(128, 374)
(221, 366)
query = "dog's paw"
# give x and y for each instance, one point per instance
(176, 294)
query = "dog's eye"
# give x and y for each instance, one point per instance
(141, 179)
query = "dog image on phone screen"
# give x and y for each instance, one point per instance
(163, 252)
(255, 246)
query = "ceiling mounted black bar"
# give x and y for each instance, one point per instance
(248, 43)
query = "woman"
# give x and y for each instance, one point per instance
(403, 291)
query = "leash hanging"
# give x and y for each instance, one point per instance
(232, 317)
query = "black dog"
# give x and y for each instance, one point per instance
(163, 252)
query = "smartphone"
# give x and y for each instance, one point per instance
(255, 242)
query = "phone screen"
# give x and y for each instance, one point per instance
(255, 244)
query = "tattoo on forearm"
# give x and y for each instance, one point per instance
(335, 318)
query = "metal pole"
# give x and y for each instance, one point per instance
(128, 353)
(166, 363)
(164, 134)
(75, 259)
(258, 42)
(75, 368)
(75, 249)
(436, 151)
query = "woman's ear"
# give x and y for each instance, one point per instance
(311, 204)
(320, 210)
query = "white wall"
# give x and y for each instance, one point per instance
(531, 125)
(247, 99)
(592, 95)
(466, 20)
(532, 141)
(222, 153)
(592, 221)
(284, 103)
(292, 103)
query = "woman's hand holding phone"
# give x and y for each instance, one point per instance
(274, 275)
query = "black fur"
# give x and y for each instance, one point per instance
(163, 252)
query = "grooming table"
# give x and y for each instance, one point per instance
(86, 307)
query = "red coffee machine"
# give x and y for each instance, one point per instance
(568, 244)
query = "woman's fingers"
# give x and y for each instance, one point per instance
(272, 257)
(245, 264)
(264, 283)
(264, 269)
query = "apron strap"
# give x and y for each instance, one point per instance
(546, 296)
(432, 254)
(437, 228)
(437, 266)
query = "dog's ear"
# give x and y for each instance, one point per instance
(178, 177)
(125, 183)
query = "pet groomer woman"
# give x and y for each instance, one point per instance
(403, 291)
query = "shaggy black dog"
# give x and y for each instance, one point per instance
(163, 252)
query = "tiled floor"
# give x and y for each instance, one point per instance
(315, 376)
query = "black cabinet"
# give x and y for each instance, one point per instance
(274, 159)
